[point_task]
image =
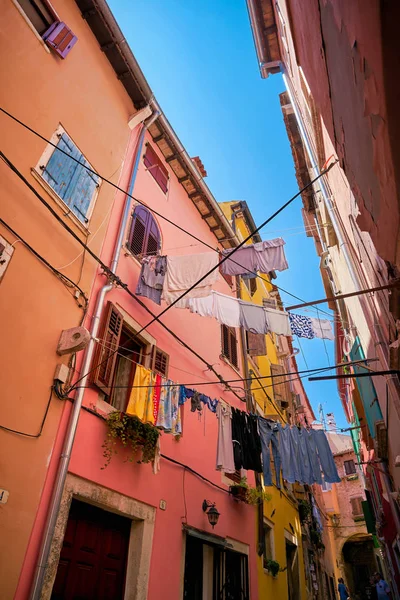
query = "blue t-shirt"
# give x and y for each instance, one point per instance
(342, 591)
(382, 590)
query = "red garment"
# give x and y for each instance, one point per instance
(156, 396)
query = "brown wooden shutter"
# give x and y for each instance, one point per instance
(156, 168)
(256, 344)
(105, 356)
(160, 361)
(278, 383)
(253, 285)
(229, 344)
(349, 467)
(356, 506)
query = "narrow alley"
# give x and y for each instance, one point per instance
(202, 395)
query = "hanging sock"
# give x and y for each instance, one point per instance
(301, 326)
(225, 461)
(269, 435)
(322, 328)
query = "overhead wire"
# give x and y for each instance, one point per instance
(153, 211)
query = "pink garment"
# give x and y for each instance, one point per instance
(225, 460)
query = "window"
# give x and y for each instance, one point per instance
(251, 284)
(155, 166)
(325, 486)
(349, 467)
(116, 370)
(72, 182)
(235, 477)
(44, 19)
(213, 571)
(356, 507)
(144, 236)
(268, 553)
(229, 344)
(269, 303)
(284, 40)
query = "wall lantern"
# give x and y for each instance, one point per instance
(212, 512)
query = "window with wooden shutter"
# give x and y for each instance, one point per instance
(160, 361)
(280, 386)
(106, 353)
(71, 181)
(229, 344)
(256, 344)
(349, 467)
(144, 236)
(39, 14)
(356, 506)
(155, 166)
(60, 39)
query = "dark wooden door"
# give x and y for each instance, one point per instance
(93, 557)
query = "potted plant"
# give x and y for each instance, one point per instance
(246, 493)
(239, 490)
(272, 567)
(129, 432)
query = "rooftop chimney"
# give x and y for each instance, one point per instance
(199, 165)
(330, 421)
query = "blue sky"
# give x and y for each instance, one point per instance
(200, 61)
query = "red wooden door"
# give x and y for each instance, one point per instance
(93, 557)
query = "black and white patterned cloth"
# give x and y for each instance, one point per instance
(301, 326)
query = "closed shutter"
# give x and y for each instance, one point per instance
(253, 285)
(349, 467)
(60, 39)
(144, 236)
(70, 180)
(356, 506)
(256, 344)
(105, 356)
(278, 383)
(160, 361)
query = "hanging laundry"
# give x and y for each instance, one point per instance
(269, 436)
(270, 256)
(140, 393)
(176, 422)
(322, 328)
(313, 454)
(288, 452)
(253, 444)
(225, 309)
(184, 271)
(151, 279)
(225, 461)
(246, 441)
(237, 438)
(252, 317)
(157, 457)
(164, 419)
(278, 321)
(211, 404)
(301, 326)
(325, 456)
(303, 457)
(156, 396)
(184, 394)
(263, 256)
(201, 306)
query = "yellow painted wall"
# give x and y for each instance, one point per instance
(280, 511)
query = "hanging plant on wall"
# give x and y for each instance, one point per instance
(131, 433)
(272, 566)
(316, 539)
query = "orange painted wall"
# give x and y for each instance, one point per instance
(83, 94)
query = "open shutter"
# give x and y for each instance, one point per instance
(60, 38)
(225, 340)
(233, 347)
(105, 356)
(137, 232)
(154, 165)
(356, 506)
(278, 383)
(160, 361)
(256, 344)
(81, 190)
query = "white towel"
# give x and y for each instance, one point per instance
(278, 321)
(184, 271)
(322, 328)
(225, 309)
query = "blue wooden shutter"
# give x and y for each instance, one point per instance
(60, 169)
(82, 190)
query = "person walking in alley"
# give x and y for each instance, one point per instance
(342, 589)
(382, 588)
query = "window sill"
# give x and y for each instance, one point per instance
(359, 518)
(127, 252)
(228, 362)
(70, 215)
(31, 27)
(352, 477)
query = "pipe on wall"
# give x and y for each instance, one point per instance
(65, 457)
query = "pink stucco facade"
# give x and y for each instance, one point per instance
(182, 490)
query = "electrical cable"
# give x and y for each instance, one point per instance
(60, 275)
(154, 211)
(217, 266)
(32, 435)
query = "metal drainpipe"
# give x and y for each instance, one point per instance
(343, 246)
(65, 457)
